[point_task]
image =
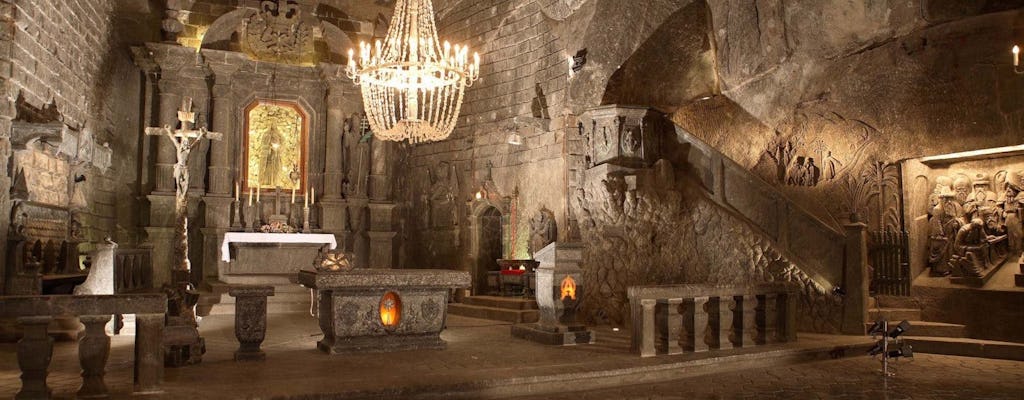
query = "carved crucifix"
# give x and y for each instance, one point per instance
(185, 139)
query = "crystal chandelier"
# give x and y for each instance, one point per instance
(412, 85)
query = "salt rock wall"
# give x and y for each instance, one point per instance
(644, 227)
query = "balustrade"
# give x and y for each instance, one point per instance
(35, 349)
(673, 319)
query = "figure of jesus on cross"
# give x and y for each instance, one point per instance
(185, 139)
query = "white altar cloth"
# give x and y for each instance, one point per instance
(255, 237)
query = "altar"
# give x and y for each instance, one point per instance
(269, 258)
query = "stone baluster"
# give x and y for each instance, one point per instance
(648, 333)
(673, 325)
(767, 315)
(747, 332)
(696, 322)
(35, 349)
(721, 323)
(250, 320)
(149, 356)
(93, 351)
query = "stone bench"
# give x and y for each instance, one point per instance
(35, 349)
(671, 319)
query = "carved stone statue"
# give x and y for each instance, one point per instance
(543, 230)
(970, 250)
(938, 242)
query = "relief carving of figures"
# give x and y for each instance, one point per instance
(543, 230)
(971, 227)
(444, 184)
(813, 148)
(277, 32)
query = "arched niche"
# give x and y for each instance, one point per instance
(275, 146)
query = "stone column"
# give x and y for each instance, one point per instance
(250, 320)
(221, 183)
(768, 317)
(93, 351)
(380, 179)
(857, 278)
(170, 103)
(35, 349)
(149, 355)
(334, 172)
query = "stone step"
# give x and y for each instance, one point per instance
(511, 303)
(933, 329)
(894, 314)
(967, 347)
(494, 313)
(885, 301)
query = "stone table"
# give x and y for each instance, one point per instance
(366, 310)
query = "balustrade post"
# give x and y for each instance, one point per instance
(93, 352)
(673, 325)
(647, 333)
(768, 318)
(721, 322)
(788, 318)
(696, 322)
(747, 332)
(35, 349)
(149, 356)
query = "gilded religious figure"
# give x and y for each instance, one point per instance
(275, 147)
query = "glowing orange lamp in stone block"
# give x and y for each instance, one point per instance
(390, 310)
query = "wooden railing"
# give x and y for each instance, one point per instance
(35, 349)
(671, 319)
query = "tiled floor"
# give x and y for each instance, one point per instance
(483, 359)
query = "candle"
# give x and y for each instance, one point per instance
(1016, 56)
(258, 194)
(305, 201)
(236, 191)
(312, 195)
(250, 197)
(293, 195)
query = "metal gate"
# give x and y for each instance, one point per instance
(887, 254)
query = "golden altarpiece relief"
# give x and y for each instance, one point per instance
(275, 146)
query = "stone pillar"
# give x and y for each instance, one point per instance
(358, 225)
(221, 183)
(334, 172)
(696, 322)
(856, 278)
(93, 351)
(380, 179)
(747, 331)
(149, 356)
(35, 349)
(648, 333)
(673, 326)
(382, 235)
(721, 322)
(170, 103)
(250, 320)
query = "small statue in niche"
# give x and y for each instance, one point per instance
(543, 230)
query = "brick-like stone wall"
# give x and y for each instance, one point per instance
(60, 61)
(521, 90)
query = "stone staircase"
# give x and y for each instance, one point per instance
(289, 298)
(515, 310)
(939, 337)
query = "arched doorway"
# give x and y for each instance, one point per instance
(489, 239)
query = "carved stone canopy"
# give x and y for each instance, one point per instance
(622, 135)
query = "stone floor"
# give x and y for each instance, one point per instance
(931, 377)
(484, 361)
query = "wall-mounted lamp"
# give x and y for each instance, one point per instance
(479, 195)
(577, 62)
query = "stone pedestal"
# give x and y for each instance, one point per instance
(559, 291)
(250, 320)
(367, 310)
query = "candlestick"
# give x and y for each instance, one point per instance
(250, 197)
(258, 194)
(305, 200)
(305, 219)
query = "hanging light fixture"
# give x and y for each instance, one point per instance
(412, 85)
